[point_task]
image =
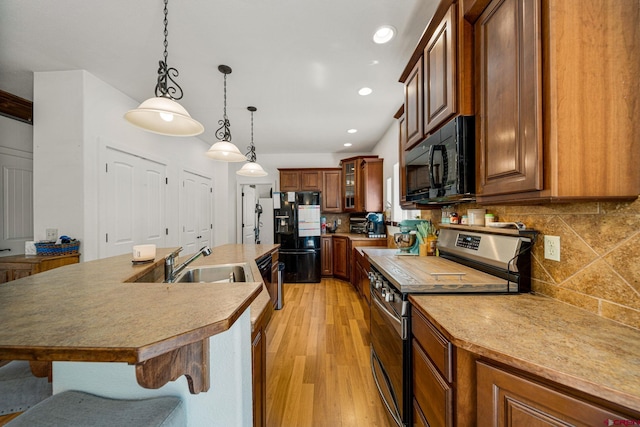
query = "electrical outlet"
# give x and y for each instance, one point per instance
(339, 222)
(52, 234)
(552, 248)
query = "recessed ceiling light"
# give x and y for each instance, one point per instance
(348, 144)
(365, 91)
(384, 34)
(352, 131)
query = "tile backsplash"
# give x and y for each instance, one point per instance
(599, 268)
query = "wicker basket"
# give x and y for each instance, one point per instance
(61, 249)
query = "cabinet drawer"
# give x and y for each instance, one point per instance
(431, 392)
(433, 342)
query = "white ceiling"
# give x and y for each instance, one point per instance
(300, 62)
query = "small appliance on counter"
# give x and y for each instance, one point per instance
(375, 225)
(406, 244)
(358, 225)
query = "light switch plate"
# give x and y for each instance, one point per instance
(552, 248)
(52, 234)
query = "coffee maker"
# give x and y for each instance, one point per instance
(375, 225)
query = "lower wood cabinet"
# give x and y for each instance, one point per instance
(455, 387)
(259, 371)
(326, 244)
(341, 252)
(356, 243)
(507, 399)
(17, 266)
(431, 365)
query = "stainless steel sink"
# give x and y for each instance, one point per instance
(217, 274)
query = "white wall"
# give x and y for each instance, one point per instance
(387, 148)
(16, 135)
(75, 116)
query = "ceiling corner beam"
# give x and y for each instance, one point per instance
(16, 108)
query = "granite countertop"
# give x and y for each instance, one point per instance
(533, 333)
(545, 337)
(94, 311)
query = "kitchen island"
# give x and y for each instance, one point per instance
(187, 339)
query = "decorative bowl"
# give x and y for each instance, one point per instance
(404, 241)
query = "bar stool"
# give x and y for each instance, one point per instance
(19, 388)
(79, 409)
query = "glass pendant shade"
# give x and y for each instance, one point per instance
(251, 169)
(225, 151)
(164, 116)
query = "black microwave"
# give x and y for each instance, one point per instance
(441, 168)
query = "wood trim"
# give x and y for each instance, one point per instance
(191, 360)
(16, 108)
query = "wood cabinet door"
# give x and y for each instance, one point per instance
(505, 399)
(289, 180)
(371, 178)
(341, 257)
(310, 180)
(431, 392)
(440, 73)
(349, 188)
(509, 100)
(332, 191)
(413, 104)
(259, 376)
(327, 255)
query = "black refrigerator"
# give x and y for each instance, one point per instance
(297, 230)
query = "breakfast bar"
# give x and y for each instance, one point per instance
(191, 340)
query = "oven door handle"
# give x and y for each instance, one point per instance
(386, 311)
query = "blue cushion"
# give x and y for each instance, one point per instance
(79, 409)
(19, 388)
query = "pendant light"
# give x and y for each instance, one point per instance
(162, 114)
(251, 168)
(224, 149)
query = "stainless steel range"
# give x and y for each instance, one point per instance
(470, 262)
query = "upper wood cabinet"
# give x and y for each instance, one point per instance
(310, 180)
(300, 180)
(556, 99)
(509, 97)
(440, 73)
(438, 78)
(326, 180)
(331, 190)
(413, 103)
(362, 184)
(289, 180)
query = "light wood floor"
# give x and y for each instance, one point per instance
(318, 371)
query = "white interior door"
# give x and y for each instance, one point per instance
(196, 212)
(249, 200)
(16, 205)
(135, 202)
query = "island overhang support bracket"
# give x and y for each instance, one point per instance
(191, 360)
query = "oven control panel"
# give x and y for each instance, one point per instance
(468, 242)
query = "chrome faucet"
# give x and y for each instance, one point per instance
(171, 272)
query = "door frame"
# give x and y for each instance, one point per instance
(180, 212)
(239, 185)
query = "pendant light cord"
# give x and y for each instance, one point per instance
(166, 74)
(224, 133)
(251, 154)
